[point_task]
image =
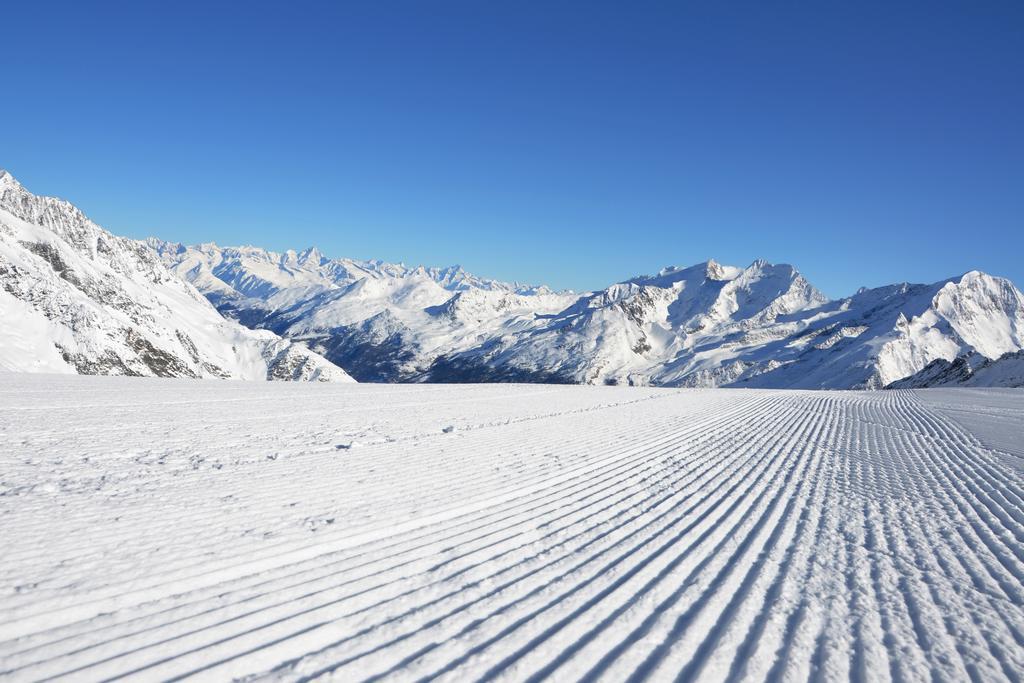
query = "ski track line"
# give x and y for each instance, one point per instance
(563, 533)
(259, 647)
(686, 493)
(543, 416)
(616, 561)
(509, 495)
(448, 560)
(412, 483)
(288, 493)
(675, 621)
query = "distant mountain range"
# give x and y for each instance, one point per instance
(77, 299)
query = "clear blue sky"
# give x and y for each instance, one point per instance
(574, 144)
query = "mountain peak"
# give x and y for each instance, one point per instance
(761, 265)
(311, 255)
(714, 270)
(980, 276)
(761, 268)
(9, 183)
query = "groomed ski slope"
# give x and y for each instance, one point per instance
(162, 529)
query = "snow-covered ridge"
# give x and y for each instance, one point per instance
(260, 273)
(75, 298)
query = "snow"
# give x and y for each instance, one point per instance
(21, 339)
(154, 529)
(994, 416)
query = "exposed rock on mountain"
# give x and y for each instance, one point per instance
(970, 370)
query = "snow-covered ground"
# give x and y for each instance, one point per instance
(157, 529)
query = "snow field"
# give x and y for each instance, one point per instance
(164, 529)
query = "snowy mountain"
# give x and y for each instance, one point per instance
(80, 299)
(381, 321)
(679, 327)
(75, 298)
(386, 322)
(706, 325)
(882, 335)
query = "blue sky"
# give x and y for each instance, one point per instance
(574, 144)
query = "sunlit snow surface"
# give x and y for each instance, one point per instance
(154, 529)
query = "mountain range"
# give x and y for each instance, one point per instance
(77, 299)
